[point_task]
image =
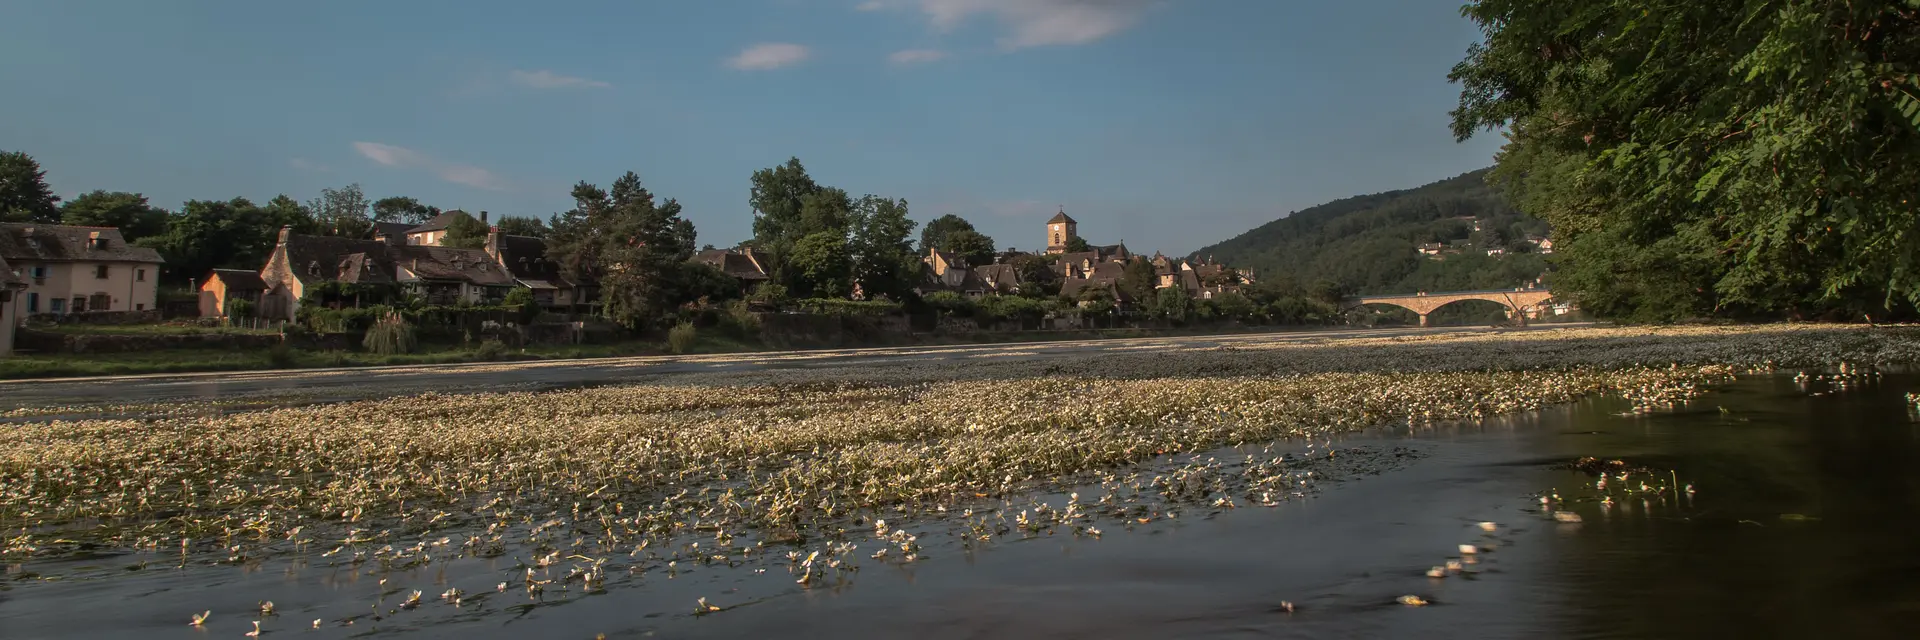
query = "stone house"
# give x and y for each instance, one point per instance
(439, 275)
(70, 269)
(747, 265)
(525, 259)
(225, 286)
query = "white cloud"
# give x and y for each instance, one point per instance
(544, 79)
(404, 158)
(915, 56)
(1036, 23)
(769, 55)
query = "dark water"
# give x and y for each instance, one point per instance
(1844, 562)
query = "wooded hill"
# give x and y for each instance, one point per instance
(1369, 244)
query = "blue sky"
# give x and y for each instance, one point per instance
(1169, 124)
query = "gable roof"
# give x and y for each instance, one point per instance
(240, 279)
(8, 278)
(322, 258)
(526, 260)
(443, 263)
(1000, 276)
(28, 242)
(390, 229)
(1061, 217)
(733, 263)
(442, 221)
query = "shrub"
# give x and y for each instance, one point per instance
(739, 320)
(491, 349)
(391, 336)
(280, 355)
(680, 338)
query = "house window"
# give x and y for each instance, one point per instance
(139, 275)
(100, 243)
(33, 302)
(57, 305)
(40, 274)
(100, 271)
(79, 304)
(140, 306)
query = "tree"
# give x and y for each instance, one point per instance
(972, 246)
(633, 247)
(523, 226)
(1172, 304)
(403, 209)
(1730, 158)
(1233, 305)
(1139, 280)
(212, 234)
(342, 212)
(128, 212)
(465, 232)
(822, 265)
(1077, 244)
(283, 211)
(882, 246)
(934, 235)
(24, 194)
(778, 197)
(1037, 278)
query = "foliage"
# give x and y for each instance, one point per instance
(404, 210)
(972, 246)
(1036, 275)
(630, 245)
(342, 212)
(779, 198)
(996, 307)
(739, 320)
(934, 235)
(210, 234)
(523, 226)
(1225, 277)
(1173, 304)
(884, 263)
(1077, 244)
(392, 335)
(1139, 280)
(24, 194)
(770, 293)
(239, 309)
(701, 281)
(490, 349)
(839, 307)
(1729, 158)
(128, 212)
(948, 302)
(1367, 243)
(681, 338)
(821, 267)
(465, 232)
(283, 211)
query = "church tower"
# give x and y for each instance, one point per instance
(1060, 230)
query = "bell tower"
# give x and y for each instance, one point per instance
(1060, 230)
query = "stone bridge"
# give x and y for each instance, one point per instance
(1520, 303)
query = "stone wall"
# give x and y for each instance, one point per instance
(148, 316)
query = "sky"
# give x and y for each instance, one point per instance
(1166, 124)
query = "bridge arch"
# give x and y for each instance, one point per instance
(1517, 301)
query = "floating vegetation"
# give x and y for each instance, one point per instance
(611, 483)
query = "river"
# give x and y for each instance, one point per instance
(1800, 523)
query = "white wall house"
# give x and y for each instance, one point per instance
(70, 269)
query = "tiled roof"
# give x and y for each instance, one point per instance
(25, 242)
(319, 258)
(1061, 217)
(733, 263)
(439, 222)
(8, 277)
(240, 279)
(390, 229)
(443, 263)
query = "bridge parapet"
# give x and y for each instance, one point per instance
(1517, 301)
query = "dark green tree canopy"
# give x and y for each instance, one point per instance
(403, 209)
(822, 265)
(523, 226)
(884, 263)
(1740, 157)
(128, 212)
(466, 232)
(974, 247)
(635, 248)
(934, 235)
(342, 212)
(24, 194)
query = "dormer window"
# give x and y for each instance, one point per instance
(313, 268)
(100, 244)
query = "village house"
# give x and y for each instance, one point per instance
(948, 272)
(71, 269)
(433, 232)
(11, 287)
(525, 259)
(745, 264)
(438, 275)
(223, 287)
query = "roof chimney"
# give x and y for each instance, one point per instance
(285, 230)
